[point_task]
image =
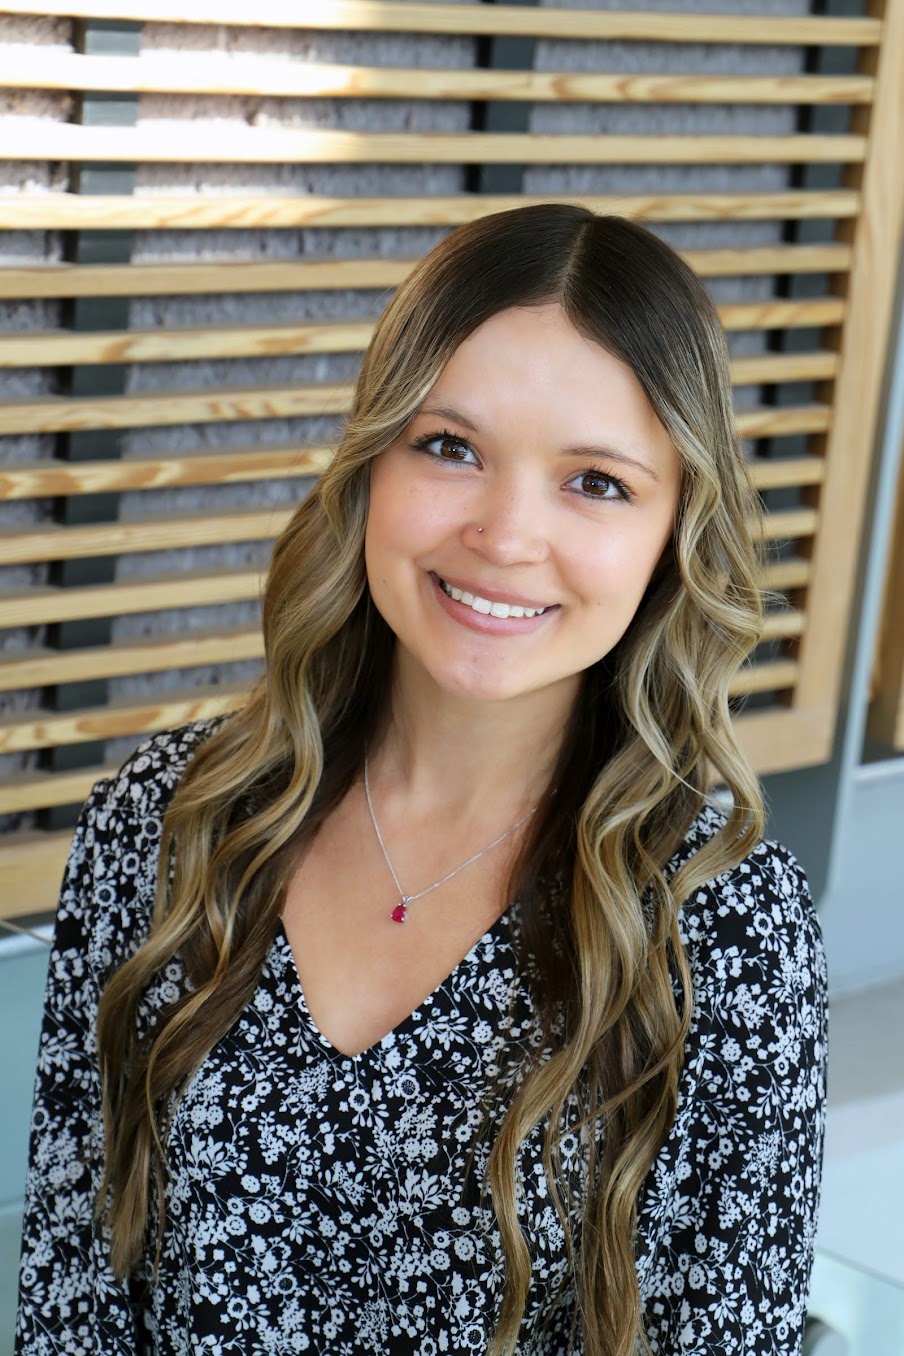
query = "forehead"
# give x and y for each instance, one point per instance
(528, 367)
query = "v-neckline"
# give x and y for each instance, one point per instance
(389, 1038)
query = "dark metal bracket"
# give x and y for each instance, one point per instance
(93, 38)
(501, 54)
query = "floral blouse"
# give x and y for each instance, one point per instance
(326, 1204)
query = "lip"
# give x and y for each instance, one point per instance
(485, 622)
(491, 595)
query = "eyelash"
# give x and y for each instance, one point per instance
(421, 445)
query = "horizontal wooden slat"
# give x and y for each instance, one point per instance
(222, 73)
(73, 211)
(66, 414)
(31, 868)
(784, 625)
(776, 676)
(779, 367)
(166, 279)
(195, 143)
(788, 524)
(231, 466)
(794, 573)
(35, 790)
(54, 542)
(787, 471)
(391, 16)
(773, 315)
(61, 348)
(37, 606)
(59, 414)
(112, 722)
(42, 666)
(782, 423)
(242, 464)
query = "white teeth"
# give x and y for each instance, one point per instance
(487, 608)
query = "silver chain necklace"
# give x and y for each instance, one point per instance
(400, 912)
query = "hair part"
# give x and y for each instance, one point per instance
(651, 730)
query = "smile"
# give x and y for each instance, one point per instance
(485, 606)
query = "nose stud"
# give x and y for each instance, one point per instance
(480, 529)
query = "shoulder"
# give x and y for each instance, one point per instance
(111, 872)
(147, 779)
(770, 877)
(753, 932)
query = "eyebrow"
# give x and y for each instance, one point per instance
(600, 450)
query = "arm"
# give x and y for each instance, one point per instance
(69, 1301)
(731, 1204)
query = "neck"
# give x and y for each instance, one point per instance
(466, 758)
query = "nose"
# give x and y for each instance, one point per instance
(509, 526)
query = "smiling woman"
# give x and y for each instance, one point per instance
(575, 1103)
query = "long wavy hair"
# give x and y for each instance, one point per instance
(650, 732)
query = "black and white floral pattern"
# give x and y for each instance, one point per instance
(319, 1203)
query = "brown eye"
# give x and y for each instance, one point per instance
(597, 485)
(452, 449)
(446, 447)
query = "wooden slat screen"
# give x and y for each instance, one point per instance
(886, 716)
(281, 191)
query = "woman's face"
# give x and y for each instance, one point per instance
(535, 478)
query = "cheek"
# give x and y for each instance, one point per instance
(616, 565)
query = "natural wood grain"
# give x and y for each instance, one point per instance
(37, 606)
(62, 414)
(776, 676)
(794, 573)
(781, 367)
(195, 143)
(784, 625)
(73, 211)
(61, 348)
(53, 542)
(242, 464)
(47, 729)
(773, 315)
(43, 667)
(231, 466)
(778, 740)
(790, 524)
(239, 276)
(871, 290)
(782, 423)
(227, 73)
(31, 868)
(35, 790)
(789, 471)
(886, 716)
(391, 16)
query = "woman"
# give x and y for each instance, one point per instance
(462, 1021)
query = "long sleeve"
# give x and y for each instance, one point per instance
(729, 1217)
(69, 1301)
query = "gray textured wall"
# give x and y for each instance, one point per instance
(366, 116)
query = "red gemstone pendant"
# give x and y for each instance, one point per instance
(398, 913)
